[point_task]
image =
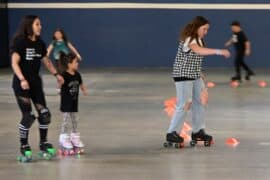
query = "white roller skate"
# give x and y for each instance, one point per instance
(66, 147)
(77, 143)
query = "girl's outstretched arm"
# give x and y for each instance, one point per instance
(49, 50)
(74, 50)
(208, 51)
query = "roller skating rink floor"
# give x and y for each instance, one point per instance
(123, 126)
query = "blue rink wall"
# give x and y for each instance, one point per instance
(147, 37)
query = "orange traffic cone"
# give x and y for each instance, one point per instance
(234, 84)
(232, 142)
(210, 84)
(262, 83)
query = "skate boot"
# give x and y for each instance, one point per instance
(77, 143)
(66, 147)
(247, 77)
(201, 136)
(47, 151)
(26, 154)
(173, 139)
(236, 78)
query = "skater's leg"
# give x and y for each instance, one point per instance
(74, 122)
(28, 118)
(237, 64)
(198, 109)
(66, 121)
(44, 118)
(75, 135)
(64, 138)
(249, 72)
(184, 96)
(44, 115)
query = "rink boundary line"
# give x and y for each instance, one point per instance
(188, 6)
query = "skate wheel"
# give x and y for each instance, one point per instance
(192, 143)
(65, 153)
(60, 152)
(78, 151)
(165, 145)
(207, 143)
(24, 159)
(71, 152)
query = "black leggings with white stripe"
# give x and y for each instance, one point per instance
(24, 99)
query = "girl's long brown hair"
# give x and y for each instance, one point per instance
(191, 29)
(25, 28)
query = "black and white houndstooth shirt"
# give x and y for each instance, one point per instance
(187, 64)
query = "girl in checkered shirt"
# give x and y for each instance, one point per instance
(189, 83)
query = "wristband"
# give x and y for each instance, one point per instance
(55, 74)
(218, 52)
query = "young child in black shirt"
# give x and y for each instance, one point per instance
(242, 46)
(70, 143)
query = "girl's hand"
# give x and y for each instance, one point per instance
(24, 84)
(85, 92)
(60, 79)
(247, 52)
(225, 53)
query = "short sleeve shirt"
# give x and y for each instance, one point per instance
(31, 53)
(239, 39)
(70, 92)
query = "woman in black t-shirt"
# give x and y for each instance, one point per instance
(70, 142)
(27, 52)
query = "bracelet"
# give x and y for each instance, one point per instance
(22, 80)
(55, 74)
(218, 52)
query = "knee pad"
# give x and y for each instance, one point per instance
(44, 116)
(28, 119)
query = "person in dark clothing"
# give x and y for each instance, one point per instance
(243, 48)
(27, 52)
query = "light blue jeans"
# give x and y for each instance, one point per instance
(186, 92)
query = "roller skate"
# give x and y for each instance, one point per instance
(47, 151)
(173, 139)
(78, 145)
(201, 136)
(236, 78)
(26, 154)
(247, 77)
(66, 147)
